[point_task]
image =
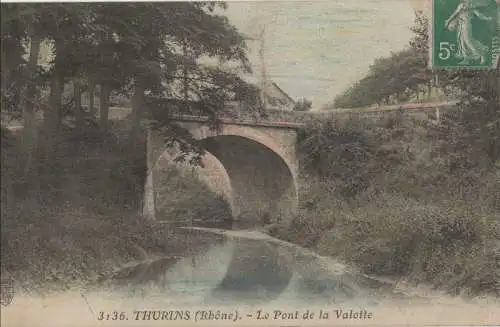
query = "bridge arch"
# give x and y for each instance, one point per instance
(261, 169)
(262, 138)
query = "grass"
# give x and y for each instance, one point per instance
(448, 246)
(73, 218)
(392, 197)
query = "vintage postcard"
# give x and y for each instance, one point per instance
(250, 163)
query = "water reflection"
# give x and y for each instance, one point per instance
(243, 267)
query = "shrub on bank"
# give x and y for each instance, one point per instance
(446, 244)
(74, 216)
(388, 195)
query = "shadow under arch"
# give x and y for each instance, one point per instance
(261, 167)
(262, 183)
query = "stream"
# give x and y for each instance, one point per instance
(242, 277)
(248, 267)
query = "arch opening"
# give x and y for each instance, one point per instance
(262, 185)
(259, 169)
(185, 194)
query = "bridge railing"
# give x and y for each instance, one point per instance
(167, 109)
(235, 111)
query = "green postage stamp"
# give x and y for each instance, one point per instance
(465, 33)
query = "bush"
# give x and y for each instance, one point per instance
(74, 216)
(448, 245)
(387, 195)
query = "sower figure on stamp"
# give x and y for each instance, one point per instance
(469, 48)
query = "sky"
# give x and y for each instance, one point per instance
(316, 49)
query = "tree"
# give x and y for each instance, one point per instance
(144, 51)
(476, 126)
(396, 77)
(478, 122)
(20, 30)
(12, 60)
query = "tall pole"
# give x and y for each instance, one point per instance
(263, 69)
(185, 74)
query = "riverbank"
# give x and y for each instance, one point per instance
(72, 217)
(175, 285)
(402, 198)
(72, 220)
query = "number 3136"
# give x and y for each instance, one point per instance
(114, 315)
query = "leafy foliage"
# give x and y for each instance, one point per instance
(390, 80)
(155, 49)
(397, 77)
(404, 197)
(152, 54)
(393, 197)
(403, 74)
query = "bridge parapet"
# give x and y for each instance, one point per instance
(241, 120)
(233, 112)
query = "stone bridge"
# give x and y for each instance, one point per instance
(259, 158)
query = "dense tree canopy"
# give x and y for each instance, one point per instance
(391, 79)
(396, 78)
(155, 47)
(152, 53)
